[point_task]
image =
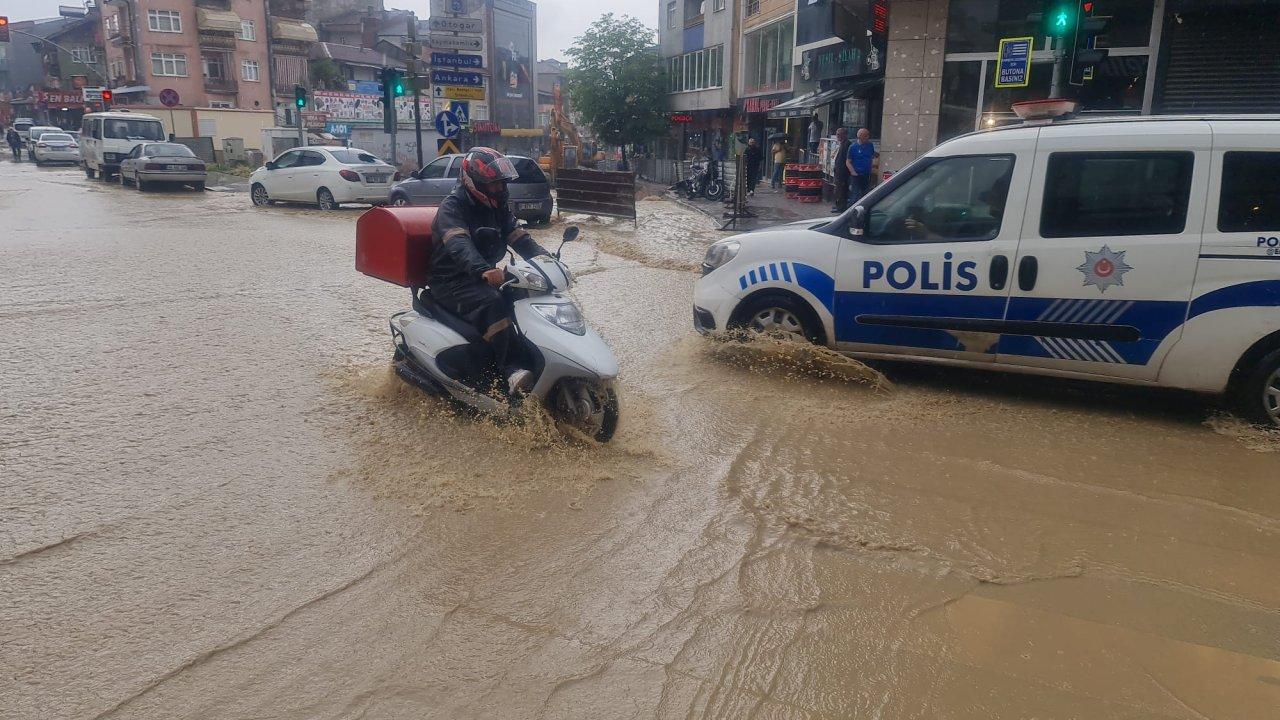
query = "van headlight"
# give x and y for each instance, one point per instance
(720, 253)
(565, 316)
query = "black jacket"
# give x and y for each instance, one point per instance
(458, 257)
(839, 168)
(754, 157)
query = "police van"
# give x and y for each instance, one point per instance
(1142, 250)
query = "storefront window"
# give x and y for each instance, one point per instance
(959, 111)
(978, 25)
(1117, 84)
(767, 58)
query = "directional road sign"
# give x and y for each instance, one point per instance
(455, 77)
(455, 42)
(457, 60)
(446, 146)
(473, 26)
(447, 124)
(454, 92)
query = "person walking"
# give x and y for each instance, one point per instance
(861, 155)
(815, 137)
(840, 174)
(779, 162)
(754, 158)
(15, 143)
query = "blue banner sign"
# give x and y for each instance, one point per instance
(1015, 62)
(341, 130)
(453, 77)
(457, 60)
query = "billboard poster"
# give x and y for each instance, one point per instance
(363, 108)
(512, 86)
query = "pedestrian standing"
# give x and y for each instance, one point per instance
(15, 143)
(840, 174)
(779, 162)
(754, 158)
(815, 137)
(861, 155)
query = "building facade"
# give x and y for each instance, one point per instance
(698, 41)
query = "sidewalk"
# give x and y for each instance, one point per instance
(771, 207)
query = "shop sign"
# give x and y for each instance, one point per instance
(486, 126)
(314, 120)
(760, 104)
(58, 97)
(680, 118)
(836, 61)
(1015, 62)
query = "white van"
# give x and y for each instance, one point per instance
(106, 137)
(1142, 250)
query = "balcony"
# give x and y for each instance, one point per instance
(119, 36)
(221, 84)
(216, 41)
(214, 4)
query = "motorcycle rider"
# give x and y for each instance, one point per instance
(464, 277)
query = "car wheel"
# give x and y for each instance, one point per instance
(89, 173)
(199, 187)
(399, 201)
(139, 183)
(1258, 395)
(258, 194)
(778, 314)
(123, 182)
(324, 199)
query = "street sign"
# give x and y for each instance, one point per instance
(338, 129)
(454, 77)
(1015, 62)
(473, 26)
(454, 92)
(455, 42)
(447, 146)
(91, 94)
(443, 7)
(462, 111)
(314, 120)
(447, 124)
(457, 60)
(169, 97)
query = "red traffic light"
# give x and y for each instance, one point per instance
(1088, 7)
(106, 96)
(4, 28)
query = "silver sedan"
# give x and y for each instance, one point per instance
(154, 163)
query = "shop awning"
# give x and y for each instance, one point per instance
(217, 20)
(296, 30)
(806, 104)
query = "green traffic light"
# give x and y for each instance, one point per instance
(1061, 22)
(301, 102)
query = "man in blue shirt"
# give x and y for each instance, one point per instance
(861, 153)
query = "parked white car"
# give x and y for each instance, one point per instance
(323, 176)
(33, 135)
(55, 147)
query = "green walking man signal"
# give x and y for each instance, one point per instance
(299, 96)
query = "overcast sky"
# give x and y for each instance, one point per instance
(559, 21)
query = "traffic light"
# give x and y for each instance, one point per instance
(1059, 18)
(106, 98)
(4, 28)
(392, 87)
(1086, 53)
(299, 97)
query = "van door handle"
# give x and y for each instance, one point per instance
(1028, 270)
(999, 272)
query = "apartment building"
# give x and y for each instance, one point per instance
(699, 40)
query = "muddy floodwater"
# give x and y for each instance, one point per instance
(216, 501)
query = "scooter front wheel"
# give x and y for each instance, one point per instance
(590, 407)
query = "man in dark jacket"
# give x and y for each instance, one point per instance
(464, 275)
(754, 158)
(840, 172)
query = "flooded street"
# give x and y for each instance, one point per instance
(219, 502)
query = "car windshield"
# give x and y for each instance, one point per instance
(22, 126)
(354, 157)
(56, 137)
(528, 170)
(118, 129)
(168, 150)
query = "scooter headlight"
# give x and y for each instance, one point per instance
(565, 316)
(720, 253)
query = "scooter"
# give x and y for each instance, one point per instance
(574, 371)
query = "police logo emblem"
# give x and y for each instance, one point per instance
(1105, 268)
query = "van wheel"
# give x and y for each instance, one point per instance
(258, 195)
(325, 200)
(89, 172)
(399, 201)
(1257, 397)
(778, 313)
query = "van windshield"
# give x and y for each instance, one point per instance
(117, 129)
(22, 126)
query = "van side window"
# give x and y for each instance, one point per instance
(1250, 192)
(955, 199)
(1116, 193)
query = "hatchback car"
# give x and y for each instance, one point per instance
(150, 164)
(55, 147)
(530, 193)
(324, 176)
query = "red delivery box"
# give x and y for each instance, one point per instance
(394, 244)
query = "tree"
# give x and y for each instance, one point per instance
(326, 75)
(617, 82)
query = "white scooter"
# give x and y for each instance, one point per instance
(573, 369)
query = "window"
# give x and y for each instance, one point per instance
(249, 70)
(310, 158)
(529, 172)
(454, 169)
(169, 64)
(956, 199)
(120, 129)
(167, 150)
(717, 6)
(698, 70)
(84, 55)
(767, 58)
(288, 159)
(354, 157)
(164, 21)
(113, 24)
(1250, 192)
(753, 7)
(671, 14)
(116, 69)
(959, 111)
(1106, 194)
(434, 170)
(213, 67)
(248, 31)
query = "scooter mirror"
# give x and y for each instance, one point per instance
(570, 233)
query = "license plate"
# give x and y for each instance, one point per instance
(528, 206)
(376, 178)
(176, 167)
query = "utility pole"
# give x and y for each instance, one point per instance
(1059, 68)
(414, 52)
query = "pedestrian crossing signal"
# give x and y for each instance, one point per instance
(299, 96)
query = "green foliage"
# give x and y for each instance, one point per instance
(617, 82)
(326, 75)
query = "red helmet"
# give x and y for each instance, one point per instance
(485, 174)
